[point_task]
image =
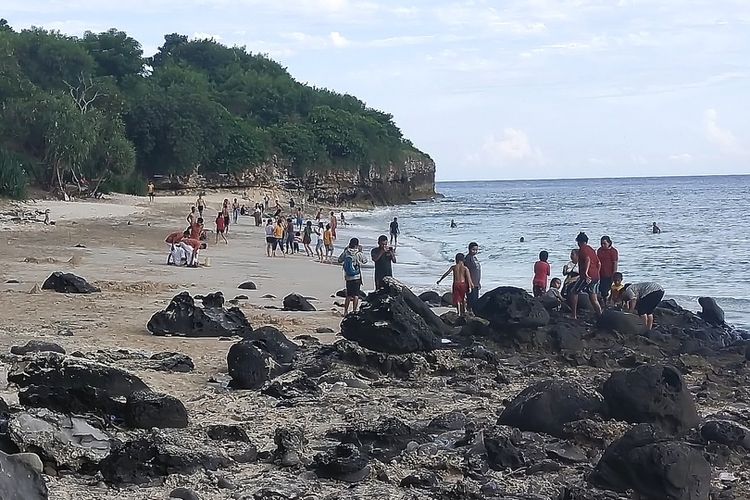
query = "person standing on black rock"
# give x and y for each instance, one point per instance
(383, 256)
(394, 232)
(475, 269)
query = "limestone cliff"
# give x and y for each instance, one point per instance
(394, 183)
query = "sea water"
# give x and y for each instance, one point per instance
(703, 249)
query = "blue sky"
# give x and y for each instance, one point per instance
(493, 89)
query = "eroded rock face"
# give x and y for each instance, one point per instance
(548, 405)
(508, 306)
(183, 318)
(68, 283)
(654, 465)
(393, 321)
(64, 440)
(651, 394)
(18, 481)
(72, 385)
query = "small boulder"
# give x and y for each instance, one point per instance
(383, 439)
(647, 461)
(711, 313)
(247, 285)
(431, 298)
(622, 322)
(507, 306)
(183, 318)
(548, 405)
(501, 444)
(451, 318)
(292, 385)
(250, 365)
(476, 327)
(183, 494)
(68, 283)
(343, 463)
(291, 446)
(36, 346)
(422, 478)
(146, 410)
(296, 302)
(654, 394)
(18, 481)
(727, 433)
(446, 300)
(171, 362)
(273, 341)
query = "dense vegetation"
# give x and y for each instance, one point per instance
(92, 111)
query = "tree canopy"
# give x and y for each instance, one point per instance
(94, 109)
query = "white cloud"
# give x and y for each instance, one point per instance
(681, 157)
(723, 138)
(338, 40)
(206, 36)
(512, 147)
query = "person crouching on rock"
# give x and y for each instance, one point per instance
(462, 284)
(173, 240)
(352, 258)
(643, 299)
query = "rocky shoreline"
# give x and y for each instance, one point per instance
(517, 403)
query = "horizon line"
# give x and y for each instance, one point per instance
(666, 176)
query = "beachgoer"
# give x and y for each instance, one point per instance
(266, 199)
(608, 257)
(225, 212)
(553, 294)
(270, 238)
(289, 236)
(196, 230)
(588, 280)
(655, 229)
(278, 235)
(343, 219)
(173, 240)
(320, 215)
(541, 273)
(334, 225)
(462, 283)
(643, 299)
(299, 219)
(192, 248)
(235, 210)
(297, 241)
(475, 268)
(192, 216)
(453, 224)
(201, 204)
(307, 239)
(615, 291)
(220, 228)
(291, 203)
(328, 242)
(151, 189)
(383, 256)
(522, 239)
(570, 271)
(394, 230)
(319, 243)
(351, 259)
(258, 216)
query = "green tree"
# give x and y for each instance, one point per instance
(115, 53)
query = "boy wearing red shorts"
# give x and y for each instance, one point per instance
(462, 284)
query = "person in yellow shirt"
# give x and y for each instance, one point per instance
(328, 242)
(278, 234)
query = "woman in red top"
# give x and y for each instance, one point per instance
(541, 273)
(608, 257)
(220, 227)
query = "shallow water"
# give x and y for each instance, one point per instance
(704, 247)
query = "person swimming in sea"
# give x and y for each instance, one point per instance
(453, 224)
(655, 229)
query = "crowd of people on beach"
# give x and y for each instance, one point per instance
(590, 275)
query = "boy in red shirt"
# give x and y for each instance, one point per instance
(588, 279)
(541, 273)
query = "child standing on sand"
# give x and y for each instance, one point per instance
(328, 242)
(220, 228)
(462, 284)
(541, 273)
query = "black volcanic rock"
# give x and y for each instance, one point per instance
(622, 322)
(146, 410)
(273, 341)
(727, 433)
(68, 283)
(183, 318)
(247, 285)
(548, 405)
(251, 366)
(432, 298)
(72, 385)
(296, 302)
(508, 306)
(651, 394)
(395, 321)
(343, 463)
(36, 346)
(655, 466)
